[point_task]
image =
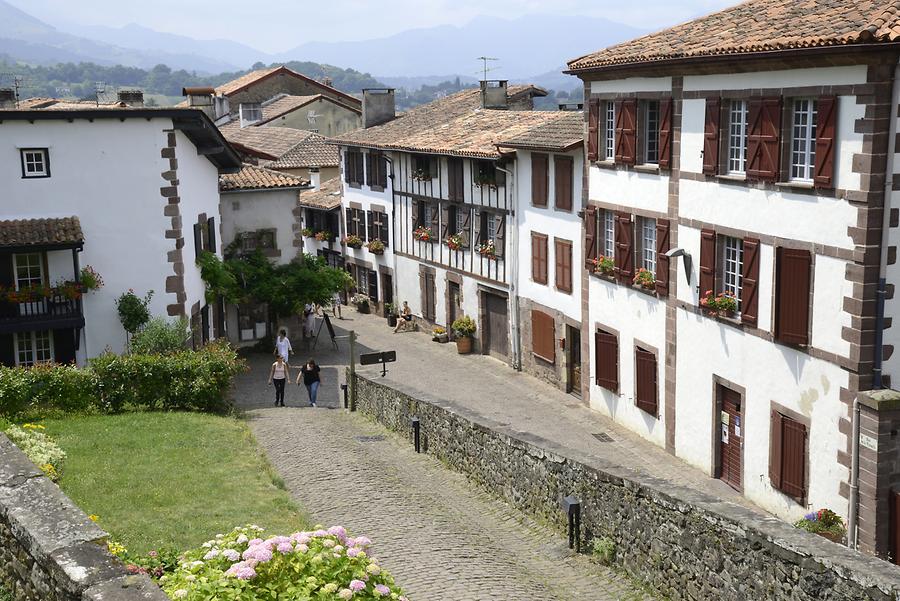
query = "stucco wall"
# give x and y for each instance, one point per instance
(331, 119)
(254, 210)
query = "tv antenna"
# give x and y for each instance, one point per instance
(485, 69)
(18, 82)
(100, 90)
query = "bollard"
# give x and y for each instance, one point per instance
(346, 400)
(416, 430)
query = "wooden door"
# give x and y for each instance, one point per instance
(387, 288)
(731, 437)
(429, 297)
(454, 304)
(496, 335)
(573, 360)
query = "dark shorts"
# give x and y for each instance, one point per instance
(407, 317)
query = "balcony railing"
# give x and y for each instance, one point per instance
(49, 312)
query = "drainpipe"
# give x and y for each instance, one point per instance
(852, 518)
(393, 230)
(513, 257)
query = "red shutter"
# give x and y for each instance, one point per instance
(562, 182)
(539, 180)
(764, 138)
(775, 428)
(793, 458)
(626, 131)
(645, 381)
(624, 267)
(750, 282)
(825, 136)
(539, 258)
(711, 136)
(543, 336)
(792, 296)
(662, 261)
(563, 258)
(593, 140)
(606, 360)
(665, 134)
(707, 262)
(590, 236)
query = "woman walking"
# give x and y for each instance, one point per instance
(310, 375)
(283, 346)
(279, 375)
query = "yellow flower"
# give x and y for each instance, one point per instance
(50, 471)
(34, 426)
(94, 518)
(117, 549)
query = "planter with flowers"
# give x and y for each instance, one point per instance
(724, 303)
(825, 523)
(454, 241)
(421, 175)
(353, 241)
(423, 234)
(603, 265)
(90, 279)
(644, 279)
(307, 232)
(485, 180)
(390, 311)
(463, 329)
(439, 334)
(324, 236)
(376, 247)
(362, 303)
(487, 250)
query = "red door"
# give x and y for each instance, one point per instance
(731, 437)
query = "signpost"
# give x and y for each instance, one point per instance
(382, 357)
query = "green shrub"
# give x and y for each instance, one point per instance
(604, 550)
(38, 447)
(63, 387)
(161, 336)
(133, 310)
(464, 326)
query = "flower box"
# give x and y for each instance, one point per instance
(603, 265)
(421, 175)
(454, 242)
(487, 250)
(324, 236)
(307, 232)
(353, 241)
(376, 247)
(723, 304)
(644, 279)
(422, 234)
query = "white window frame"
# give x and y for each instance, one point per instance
(460, 219)
(31, 353)
(30, 279)
(648, 244)
(732, 266)
(251, 112)
(490, 227)
(651, 110)
(609, 131)
(737, 137)
(35, 162)
(803, 139)
(609, 233)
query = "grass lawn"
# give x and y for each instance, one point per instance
(170, 479)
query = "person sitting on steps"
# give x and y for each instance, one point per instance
(405, 317)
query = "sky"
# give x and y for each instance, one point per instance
(282, 24)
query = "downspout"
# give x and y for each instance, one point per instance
(513, 257)
(394, 294)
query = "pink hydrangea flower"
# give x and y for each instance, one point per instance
(260, 553)
(320, 533)
(381, 590)
(231, 555)
(345, 593)
(339, 532)
(302, 548)
(357, 585)
(352, 552)
(285, 547)
(241, 571)
(254, 541)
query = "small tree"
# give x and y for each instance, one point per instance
(134, 311)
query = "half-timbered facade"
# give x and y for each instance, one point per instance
(735, 234)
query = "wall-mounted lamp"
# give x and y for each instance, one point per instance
(685, 257)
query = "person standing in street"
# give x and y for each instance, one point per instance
(310, 375)
(336, 305)
(283, 346)
(278, 376)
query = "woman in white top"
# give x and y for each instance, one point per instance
(309, 319)
(283, 346)
(278, 375)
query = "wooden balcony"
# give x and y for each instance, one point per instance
(50, 313)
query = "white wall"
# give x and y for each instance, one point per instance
(252, 210)
(632, 84)
(785, 78)
(634, 189)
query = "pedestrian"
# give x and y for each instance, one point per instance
(283, 346)
(310, 375)
(309, 319)
(405, 315)
(336, 305)
(278, 376)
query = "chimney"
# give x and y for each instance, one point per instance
(571, 106)
(201, 98)
(315, 177)
(7, 98)
(378, 106)
(131, 97)
(328, 81)
(493, 94)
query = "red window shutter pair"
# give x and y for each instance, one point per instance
(826, 119)
(624, 263)
(665, 134)
(711, 136)
(787, 455)
(563, 172)
(792, 276)
(593, 141)
(645, 381)
(606, 360)
(590, 236)
(764, 138)
(749, 273)
(539, 258)
(539, 179)
(563, 256)
(662, 261)
(543, 336)
(626, 131)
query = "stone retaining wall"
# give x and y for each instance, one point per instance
(49, 549)
(685, 544)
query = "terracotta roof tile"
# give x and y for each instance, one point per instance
(272, 142)
(314, 151)
(35, 232)
(560, 134)
(759, 26)
(251, 177)
(327, 197)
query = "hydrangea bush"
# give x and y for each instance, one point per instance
(315, 565)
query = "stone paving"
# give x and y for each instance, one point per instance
(441, 537)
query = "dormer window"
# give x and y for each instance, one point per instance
(251, 112)
(35, 162)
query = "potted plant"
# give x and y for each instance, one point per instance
(825, 523)
(362, 303)
(454, 241)
(644, 279)
(724, 303)
(487, 249)
(422, 234)
(439, 334)
(324, 236)
(463, 329)
(90, 279)
(307, 232)
(603, 265)
(353, 241)
(391, 310)
(421, 175)
(485, 179)
(376, 247)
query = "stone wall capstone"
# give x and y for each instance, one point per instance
(684, 543)
(49, 549)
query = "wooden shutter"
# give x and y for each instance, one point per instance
(361, 224)
(373, 285)
(593, 141)
(707, 262)
(349, 218)
(711, 136)
(500, 242)
(606, 360)
(543, 336)
(775, 447)
(562, 182)
(645, 381)
(665, 134)
(381, 167)
(750, 282)
(455, 181)
(466, 225)
(370, 225)
(626, 131)
(332, 223)
(435, 220)
(562, 252)
(662, 261)
(211, 245)
(476, 234)
(539, 258)
(793, 458)
(825, 137)
(590, 236)
(414, 212)
(763, 138)
(198, 240)
(792, 296)
(539, 183)
(624, 264)
(370, 180)
(445, 221)
(347, 166)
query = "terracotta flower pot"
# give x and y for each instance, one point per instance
(464, 345)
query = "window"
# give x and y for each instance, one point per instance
(426, 214)
(539, 258)
(353, 173)
(543, 336)
(788, 455)
(803, 140)
(539, 179)
(609, 131)
(33, 348)
(378, 226)
(737, 137)
(35, 162)
(251, 112)
(29, 270)
(608, 231)
(490, 227)
(459, 219)
(422, 167)
(562, 250)
(732, 266)
(606, 360)
(376, 171)
(263, 240)
(648, 243)
(651, 132)
(645, 381)
(486, 174)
